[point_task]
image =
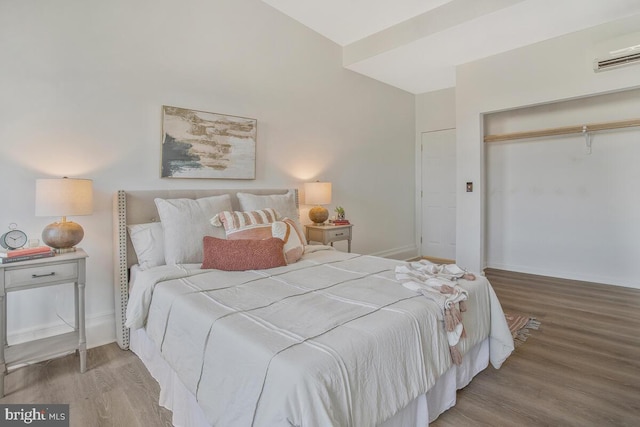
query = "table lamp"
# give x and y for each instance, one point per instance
(318, 193)
(63, 197)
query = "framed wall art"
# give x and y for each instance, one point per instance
(197, 144)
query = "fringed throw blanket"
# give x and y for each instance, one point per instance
(439, 283)
(519, 326)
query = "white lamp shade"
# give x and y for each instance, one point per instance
(317, 193)
(64, 197)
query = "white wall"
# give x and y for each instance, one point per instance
(434, 111)
(558, 69)
(82, 87)
(556, 210)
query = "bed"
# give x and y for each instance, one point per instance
(331, 338)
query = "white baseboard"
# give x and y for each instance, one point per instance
(571, 275)
(403, 253)
(99, 329)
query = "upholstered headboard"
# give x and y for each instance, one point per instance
(138, 207)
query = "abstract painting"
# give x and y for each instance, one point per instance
(197, 144)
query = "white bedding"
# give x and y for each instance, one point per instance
(424, 409)
(331, 340)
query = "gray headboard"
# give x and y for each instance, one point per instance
(138, 207)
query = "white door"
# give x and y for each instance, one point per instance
(438, 178)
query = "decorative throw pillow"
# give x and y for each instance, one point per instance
(148, 243)
(286, 230)
(186, 222)
(243, 254)
(284, 205)
(246, 225)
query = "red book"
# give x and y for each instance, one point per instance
(25, 251)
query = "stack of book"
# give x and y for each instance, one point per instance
(25, 254)
(341, 222)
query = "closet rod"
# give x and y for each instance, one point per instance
(562, 130)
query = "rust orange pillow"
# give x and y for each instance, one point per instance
(243, 254)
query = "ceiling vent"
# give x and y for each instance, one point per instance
(617, 53)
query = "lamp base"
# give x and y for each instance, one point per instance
(318, 215)
(60, 251)
(62, 236)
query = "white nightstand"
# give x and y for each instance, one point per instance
(327, 234)
(37, 273)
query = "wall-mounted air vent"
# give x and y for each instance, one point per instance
(618, 52)
(605, 64)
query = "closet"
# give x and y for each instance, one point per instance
(563, 189)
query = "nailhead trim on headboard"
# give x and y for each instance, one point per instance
(122, 332)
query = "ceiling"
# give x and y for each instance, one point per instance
(415, 45)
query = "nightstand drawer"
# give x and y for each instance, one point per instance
(339, 234)
(327, 234)
(28, 276)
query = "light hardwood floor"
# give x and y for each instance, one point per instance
(582, 368)
(115, 391)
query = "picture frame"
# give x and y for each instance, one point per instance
(200, 144)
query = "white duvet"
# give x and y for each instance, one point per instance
(332, 340)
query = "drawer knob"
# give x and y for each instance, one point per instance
(35, 276)
(339, 234)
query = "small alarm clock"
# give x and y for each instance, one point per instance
(14, 238)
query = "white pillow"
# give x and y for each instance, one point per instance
(186, 222)
(284, 205)
(293, 246)
(148, 243)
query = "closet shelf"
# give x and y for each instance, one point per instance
(566, 130)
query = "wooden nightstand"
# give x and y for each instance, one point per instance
(327, 234)
(37, 273)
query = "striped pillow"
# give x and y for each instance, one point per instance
(246, 225)
(288, 232)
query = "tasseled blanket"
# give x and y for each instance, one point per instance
(439, 283)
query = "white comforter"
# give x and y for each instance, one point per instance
(332, 340)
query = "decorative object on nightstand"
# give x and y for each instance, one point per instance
(327, 234)
(14, 238)
(63, 197)
(38, 273)
(318, 193)
(340, 217)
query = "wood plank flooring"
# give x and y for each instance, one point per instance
(582, 368)
(115, 391)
